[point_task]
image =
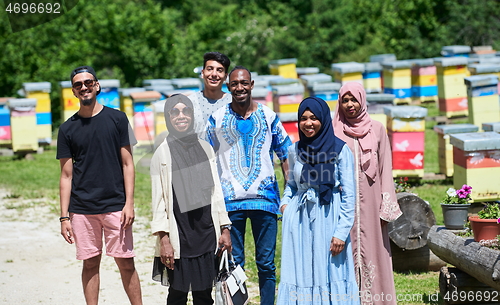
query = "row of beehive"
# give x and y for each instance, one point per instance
(439, 79)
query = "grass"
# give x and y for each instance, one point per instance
(39, 178)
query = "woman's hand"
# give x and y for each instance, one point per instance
(225, 241)
(282, 209)
(336, 246)
(166, 252)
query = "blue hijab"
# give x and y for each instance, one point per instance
(319, 153)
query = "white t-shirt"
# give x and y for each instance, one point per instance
(203, 109)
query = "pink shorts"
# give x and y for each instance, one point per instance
(88, 231)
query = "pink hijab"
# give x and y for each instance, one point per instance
(359, 127)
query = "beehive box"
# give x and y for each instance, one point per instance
(482, 98)
(310, 79)
(475, 161)
(41, 92)
(285, 67)
(286, 98)
(23, 123)
(329, 92)
(144, 116)
(109, 95)
(456, 51)
(306, 71)
(445, 149)
(397, 80)
(491, 127)
(452, 92)
(406, 126)
(405, 118)
(491, 68)
(372, 77)
(5, 131)
(348, 72)
(376, 102)
(69, 103)
(126, 103)
(424, 81)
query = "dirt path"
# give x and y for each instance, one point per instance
(38, 267)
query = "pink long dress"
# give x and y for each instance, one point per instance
(375, 201)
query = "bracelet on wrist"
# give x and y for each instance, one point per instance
(61, 219)
(225, 227)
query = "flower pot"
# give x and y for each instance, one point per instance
(455, 215)
(484, 228)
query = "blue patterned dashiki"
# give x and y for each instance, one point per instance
(245, 156)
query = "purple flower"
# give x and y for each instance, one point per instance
(498, 220)
(467, 188)
(462, 194)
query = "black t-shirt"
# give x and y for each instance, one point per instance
(94, 144)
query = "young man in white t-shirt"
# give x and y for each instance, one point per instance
(214, 74)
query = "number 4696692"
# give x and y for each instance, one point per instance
(33, 8)
(472, 296)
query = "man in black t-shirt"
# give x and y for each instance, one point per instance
(94, 148)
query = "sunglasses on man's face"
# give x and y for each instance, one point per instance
(88, 83)
(186, 111)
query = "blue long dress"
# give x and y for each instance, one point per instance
(309, 272)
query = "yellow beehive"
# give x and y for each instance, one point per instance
(482, 99)
(284, 67)
(348, 72)
(41, 92)
(474, 158)
(43, 100)
(68, 99)
(23, 123)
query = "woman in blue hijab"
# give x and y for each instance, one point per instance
(318, 213)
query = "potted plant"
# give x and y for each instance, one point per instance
(486, 224)
(455, 207)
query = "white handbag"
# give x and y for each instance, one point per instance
(230, 288)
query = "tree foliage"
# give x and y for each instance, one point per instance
(132, 40)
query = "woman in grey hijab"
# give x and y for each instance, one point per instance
(189, 214)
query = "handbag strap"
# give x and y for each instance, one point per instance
(224, 262)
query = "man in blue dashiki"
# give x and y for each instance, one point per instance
(244, 135)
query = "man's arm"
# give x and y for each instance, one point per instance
(128, 214)
(64, 197)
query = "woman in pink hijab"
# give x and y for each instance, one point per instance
(376, 202)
